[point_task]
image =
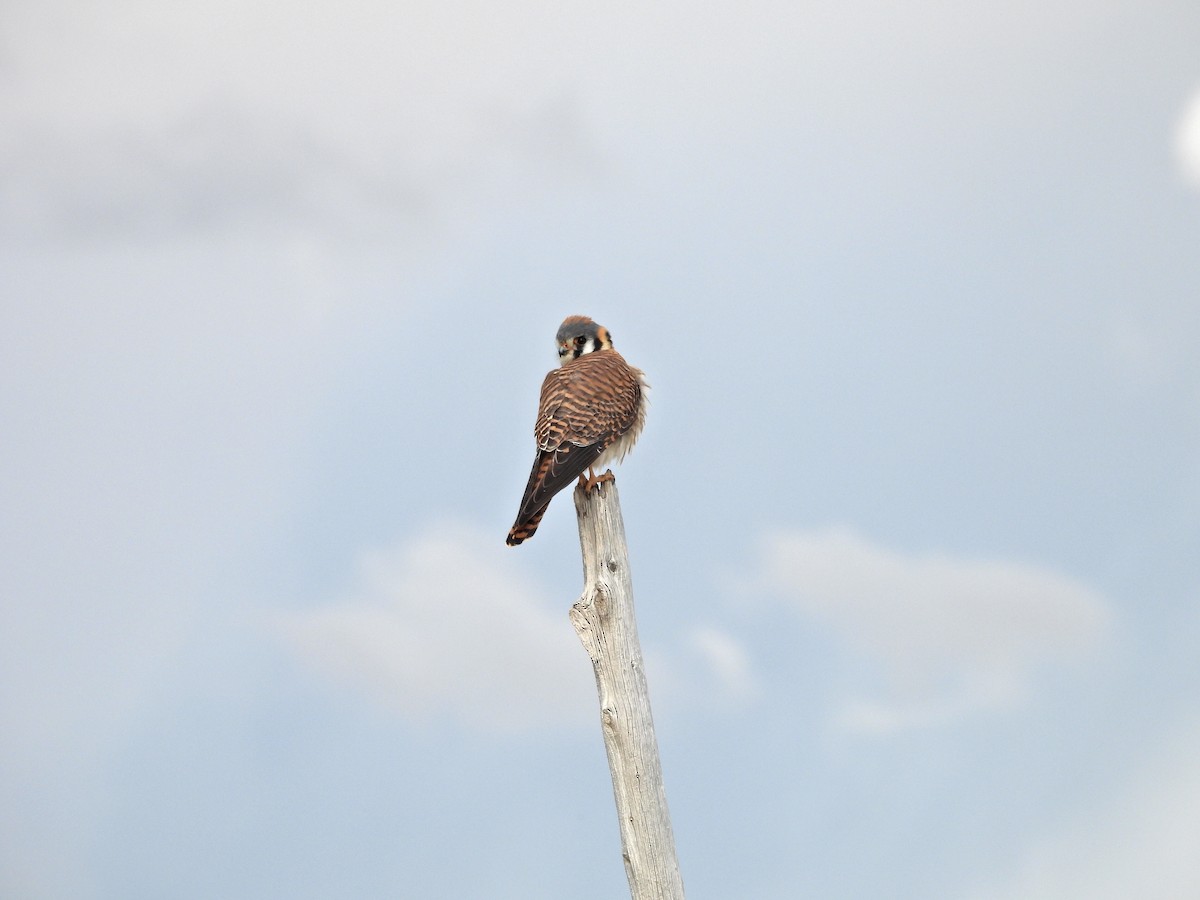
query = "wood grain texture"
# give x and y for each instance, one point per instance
(604, 620)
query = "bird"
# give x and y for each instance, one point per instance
(592, 410)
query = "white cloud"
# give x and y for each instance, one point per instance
(707, 670)
(221, 165)
(446, 627)
(1187, 141)
(351, 120)
(364, 115)
(726, 661)
(1140, 844)
(948, 635)
(205, 168)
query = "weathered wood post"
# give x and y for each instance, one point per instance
(603, 618)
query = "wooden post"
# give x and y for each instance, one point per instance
(603, 618)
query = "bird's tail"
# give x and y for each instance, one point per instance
(523, 529)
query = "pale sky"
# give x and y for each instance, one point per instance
(914, 522)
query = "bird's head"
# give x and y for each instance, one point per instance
(579, 335)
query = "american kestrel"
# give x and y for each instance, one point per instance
(592, 411)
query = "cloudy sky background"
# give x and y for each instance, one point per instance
(915, 520)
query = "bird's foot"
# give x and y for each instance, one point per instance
(595, 481)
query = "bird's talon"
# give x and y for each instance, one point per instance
(594, 481)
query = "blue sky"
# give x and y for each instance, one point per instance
(914, 521)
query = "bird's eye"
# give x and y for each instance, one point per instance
(580, 341)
